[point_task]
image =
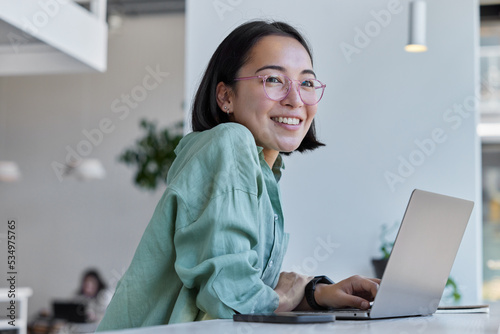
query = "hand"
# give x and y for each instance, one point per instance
(290, 289)
(355, 291)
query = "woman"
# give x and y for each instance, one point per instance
(94, 295)
(216, 241)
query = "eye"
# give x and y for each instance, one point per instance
(307, 83)
(275, 79)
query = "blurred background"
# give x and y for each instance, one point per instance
(73, 93)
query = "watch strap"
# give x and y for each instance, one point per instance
(311, 287)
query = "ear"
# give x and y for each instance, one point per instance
(224, 95)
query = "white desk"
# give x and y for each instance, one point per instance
(438, 323)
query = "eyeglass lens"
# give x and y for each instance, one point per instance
(277, 87)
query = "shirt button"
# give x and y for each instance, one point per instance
(271, 263)
(276, 217)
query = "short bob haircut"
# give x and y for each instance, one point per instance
(95, 274)
(224, 65)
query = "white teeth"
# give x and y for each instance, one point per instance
(287, 120)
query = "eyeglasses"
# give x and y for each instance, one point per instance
(277, 88)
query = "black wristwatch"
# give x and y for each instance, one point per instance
(311, 287)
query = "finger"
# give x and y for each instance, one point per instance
(347, 300)
(363, 285)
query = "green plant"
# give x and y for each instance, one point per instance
(152, 154)
(454, 292)
(386, 244)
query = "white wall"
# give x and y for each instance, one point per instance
(379, 101)
(65, 227)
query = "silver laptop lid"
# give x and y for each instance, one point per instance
(422, 256)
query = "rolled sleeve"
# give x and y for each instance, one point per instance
(217, 256)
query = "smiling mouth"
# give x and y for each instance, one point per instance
(286, 120)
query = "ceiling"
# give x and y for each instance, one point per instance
(141, 7)
(490, 9)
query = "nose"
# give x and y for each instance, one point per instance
(293, 98)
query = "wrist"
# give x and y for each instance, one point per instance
(319, 294)
(310, 291)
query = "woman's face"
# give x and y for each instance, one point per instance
(90, 286)
(264, 117)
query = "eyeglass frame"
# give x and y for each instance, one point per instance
(264, 77)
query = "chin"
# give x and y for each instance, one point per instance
(289, 148)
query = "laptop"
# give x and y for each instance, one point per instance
(70, 311)
(421, 259)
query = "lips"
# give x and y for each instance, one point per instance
(287, 120)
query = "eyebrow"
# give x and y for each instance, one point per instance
(282, 69)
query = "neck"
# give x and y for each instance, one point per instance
(270, 156)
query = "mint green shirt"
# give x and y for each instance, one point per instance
(215, 243)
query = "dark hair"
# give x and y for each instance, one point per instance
(95, 274)
(224, 65)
